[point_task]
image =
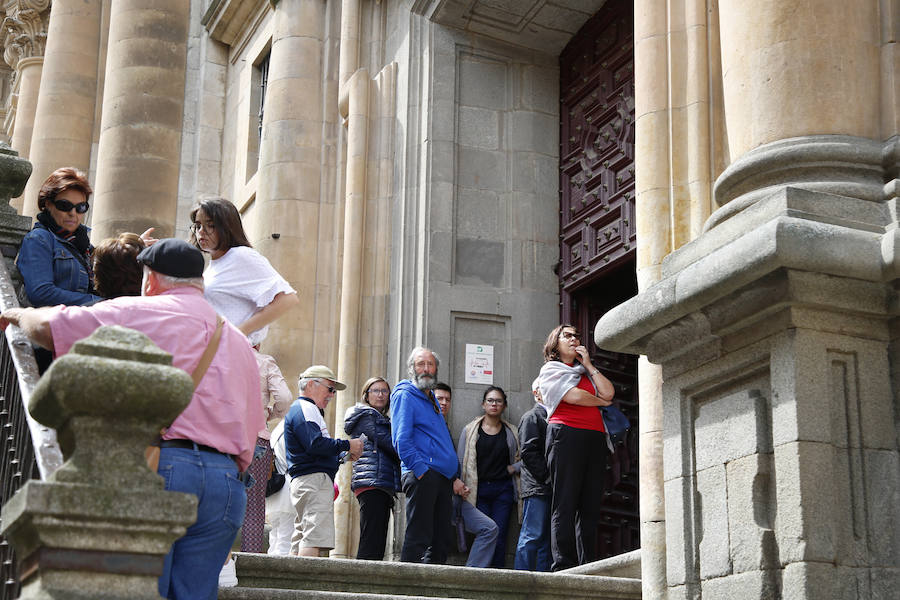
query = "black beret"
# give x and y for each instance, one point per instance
(173, 257)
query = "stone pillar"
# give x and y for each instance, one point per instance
(296, 222)
(351, 288)
(140, 132)
(795, 74)
(101, 525)
(774, 330)
(64, 114)
(25, 29)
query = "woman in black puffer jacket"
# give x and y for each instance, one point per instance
(376, 475)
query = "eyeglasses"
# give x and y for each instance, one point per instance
(378, 392)
(493, 401)
(570, 335)
(66, 206)
(331, 389)
(208, 227)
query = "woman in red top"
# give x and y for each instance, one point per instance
(573, 390)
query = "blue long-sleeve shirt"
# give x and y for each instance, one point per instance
(419, 433)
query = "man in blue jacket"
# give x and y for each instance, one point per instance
(428, 462)
(313, 458)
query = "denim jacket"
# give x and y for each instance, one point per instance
(51, 271)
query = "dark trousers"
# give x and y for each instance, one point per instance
(428, 513)
(496, 499)
(577, 461)
(374, 512)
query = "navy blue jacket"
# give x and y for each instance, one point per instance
(379, 465)
(307, 449)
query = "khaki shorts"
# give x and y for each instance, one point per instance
(313, 499)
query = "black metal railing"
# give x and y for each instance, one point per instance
(21, 458)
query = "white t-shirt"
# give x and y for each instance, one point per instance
(241, 282)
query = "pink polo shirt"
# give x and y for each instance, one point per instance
(226, 409)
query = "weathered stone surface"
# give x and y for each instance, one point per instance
(100, 526)
(434, 581)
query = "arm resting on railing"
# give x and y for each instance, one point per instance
(33, 321)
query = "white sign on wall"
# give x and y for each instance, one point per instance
(479, 364)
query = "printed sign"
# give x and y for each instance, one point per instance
(479, 364)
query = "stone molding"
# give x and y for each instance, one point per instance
(790, 229)
(226, 19)
(836, 164)
(544, 25)
(25, 30)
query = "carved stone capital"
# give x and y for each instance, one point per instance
(24, 29)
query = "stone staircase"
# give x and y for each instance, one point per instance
(294, 578)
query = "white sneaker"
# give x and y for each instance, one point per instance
(228, 574)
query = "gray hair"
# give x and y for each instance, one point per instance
(410, 362)
(168, 282)
(303, 382)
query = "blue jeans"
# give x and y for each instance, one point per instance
(191, 570)
(474, 521)
(496, 499)
(533, 550)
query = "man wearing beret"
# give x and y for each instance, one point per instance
(203, 451)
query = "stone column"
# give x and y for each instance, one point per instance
(25, 29)
(102, 524)
(294, 199)
(140, 132)
(64, 114)
(775, 330)
(794, 75)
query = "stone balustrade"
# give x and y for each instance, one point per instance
(101, 525)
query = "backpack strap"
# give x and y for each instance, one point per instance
(208, 354)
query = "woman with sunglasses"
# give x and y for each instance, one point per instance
(243, 287)
(55, 257)
(376, 474)
(488, 451)
(573, 389)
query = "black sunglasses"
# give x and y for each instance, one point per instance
(66, 206)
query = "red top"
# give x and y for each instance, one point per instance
(580, 417)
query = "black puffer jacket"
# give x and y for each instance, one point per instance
(379, 465)
(535, 477)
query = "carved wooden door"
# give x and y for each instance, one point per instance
(597, 232)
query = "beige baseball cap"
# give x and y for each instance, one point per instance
(322, 372)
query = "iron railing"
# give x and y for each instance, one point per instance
(28, 450)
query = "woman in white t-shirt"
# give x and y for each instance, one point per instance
(240, 283)
(243, 287)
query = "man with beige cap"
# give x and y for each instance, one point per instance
(313, 457)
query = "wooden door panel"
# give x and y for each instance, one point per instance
(597, 231)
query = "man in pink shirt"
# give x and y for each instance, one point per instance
(212, 440)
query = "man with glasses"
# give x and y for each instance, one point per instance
(428, 461)
(313, 458)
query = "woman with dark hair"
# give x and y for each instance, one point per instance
(573, 390)
(240, 283)
(488, 452)
(116, 269)
(244, 288)
(55, 257)
(376, 474)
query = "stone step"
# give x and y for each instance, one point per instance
(261, 576)
(244, 593)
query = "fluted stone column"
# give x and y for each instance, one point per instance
(101, 525)
(25, 38)
(140, 132)
(64, 115)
